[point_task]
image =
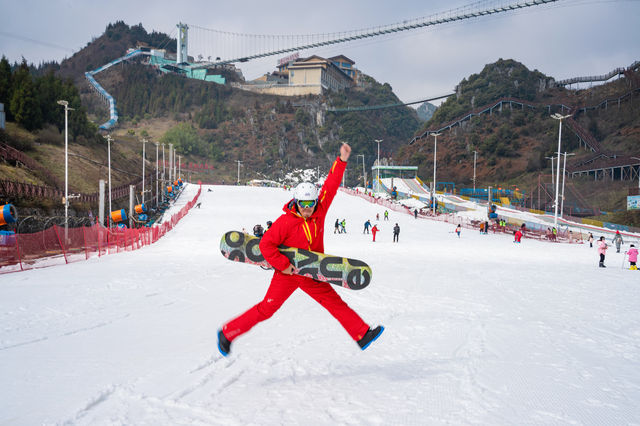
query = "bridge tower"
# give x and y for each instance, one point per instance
(183, 37)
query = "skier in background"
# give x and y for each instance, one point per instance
(367, 225)
(301, 227)
(633, 258)
(343, 226)
(517, 236)
(602, 250)
(458, 230)
(336, 230)
(396, 233)
(386, 215)
(258, 230)
(415, 213)
(617, 240)
(374, 231)
(590, 239)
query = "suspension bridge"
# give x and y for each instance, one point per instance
(228, 48)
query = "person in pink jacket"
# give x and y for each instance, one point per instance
(633, 257)
(602, 249)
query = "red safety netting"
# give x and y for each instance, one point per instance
(55, 246)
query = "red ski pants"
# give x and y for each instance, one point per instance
(282, 286)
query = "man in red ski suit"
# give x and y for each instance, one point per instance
(301, 226)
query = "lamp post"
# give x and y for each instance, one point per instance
(164, 166)
(364, 174)
(65, 104)
(171, 163)
(157, 146)
(378, 141)
(144, 141)
(475, 155)
(551, 158)
(109, 166)
(435, 150)
(559, 117)
(564, 172)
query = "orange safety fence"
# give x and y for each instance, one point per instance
(54, 246)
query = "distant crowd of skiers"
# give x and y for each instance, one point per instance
(340, 227)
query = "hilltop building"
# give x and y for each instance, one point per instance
(306, 76)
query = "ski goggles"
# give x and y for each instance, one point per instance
(306, 204)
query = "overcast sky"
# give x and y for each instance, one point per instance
(569, 38)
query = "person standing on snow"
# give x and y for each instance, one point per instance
(602, 250)
(386, 215)
(301, 226)
(396, 233)
(343, 226)
(415, 213)
(633, 257)
(374, 231)
(367, 225)
(458, 230)
(617, 240)
(336, 230)
(590, 239)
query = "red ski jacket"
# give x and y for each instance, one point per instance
(292, 230)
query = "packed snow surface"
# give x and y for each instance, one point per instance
(479, 330)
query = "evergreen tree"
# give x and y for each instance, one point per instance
(24, 104)
(5, 86)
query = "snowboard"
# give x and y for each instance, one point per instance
(337, 270)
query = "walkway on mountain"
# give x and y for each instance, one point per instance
(603, 162)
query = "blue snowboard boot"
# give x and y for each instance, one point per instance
(224, 345)
(370, 336)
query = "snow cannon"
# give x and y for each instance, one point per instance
(118, 216)
(140, 208)
(9, 214)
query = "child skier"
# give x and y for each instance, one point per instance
(602, 249)
(633, 258)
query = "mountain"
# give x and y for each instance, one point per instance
(425, 111)
(503, 113)
(208, 123)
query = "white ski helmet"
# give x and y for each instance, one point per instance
(305, 191)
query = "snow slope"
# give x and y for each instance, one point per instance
(478, 331)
